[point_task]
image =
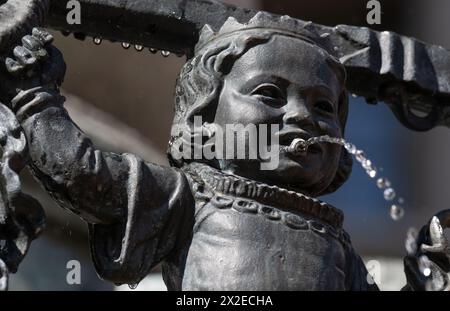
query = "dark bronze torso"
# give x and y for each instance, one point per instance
(241, 242)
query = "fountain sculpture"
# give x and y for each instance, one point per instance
(222, 223)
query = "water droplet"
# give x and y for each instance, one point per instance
(350, 148)
(133, 286)
(97, 41)
(401, 201)
(360, 156)
(125, 45)
(367, 164)
(397, 212)
(372, 173)
(165, 53)
(389, 194)
(383, 183)
(138, 47)
(153, 50)
(354, 95)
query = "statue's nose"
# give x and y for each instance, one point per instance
(300, 115)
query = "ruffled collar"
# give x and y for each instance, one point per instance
(271, 195)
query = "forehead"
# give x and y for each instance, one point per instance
(291, 59)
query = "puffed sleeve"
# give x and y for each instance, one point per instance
(158, 220)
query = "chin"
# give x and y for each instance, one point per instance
(308, 176)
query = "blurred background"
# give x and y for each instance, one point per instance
(123, 99)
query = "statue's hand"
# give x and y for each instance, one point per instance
(429, 267)
(438, 242)
(34, 63)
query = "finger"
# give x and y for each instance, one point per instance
(24, 56)
(43, 36)
(436, 232)
(35, 46)
(435, 248)
(31, 43)
(13, 66)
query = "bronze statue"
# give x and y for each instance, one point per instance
(220, 224)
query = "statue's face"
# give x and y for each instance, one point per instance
(289, 83)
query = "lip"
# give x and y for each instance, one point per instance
(286, 138)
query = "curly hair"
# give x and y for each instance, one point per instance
(201, 80)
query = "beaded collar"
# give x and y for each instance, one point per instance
(271, 195)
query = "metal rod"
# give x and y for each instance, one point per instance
(172, 25)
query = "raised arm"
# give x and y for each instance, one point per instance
(138, 213)
(89, 182)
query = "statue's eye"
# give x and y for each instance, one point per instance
(271, 93)
(325, 106)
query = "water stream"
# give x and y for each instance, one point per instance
(396, 207)
(300, 146)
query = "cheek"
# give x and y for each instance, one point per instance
(330, 127)
(331, 160)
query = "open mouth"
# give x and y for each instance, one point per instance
(286, 138)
